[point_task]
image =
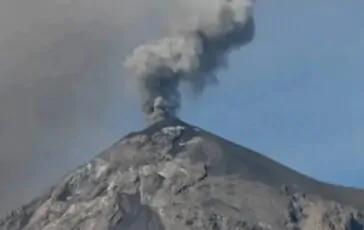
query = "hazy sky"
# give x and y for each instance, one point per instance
(294, 94)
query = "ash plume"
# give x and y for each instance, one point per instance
(191, 55)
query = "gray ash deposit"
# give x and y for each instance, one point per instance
(176, 176)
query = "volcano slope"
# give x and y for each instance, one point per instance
(176, 176)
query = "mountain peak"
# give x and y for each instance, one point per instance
(173, 175)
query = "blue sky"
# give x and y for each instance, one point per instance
(295, 93)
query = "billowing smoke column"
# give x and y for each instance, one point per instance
(192, 55)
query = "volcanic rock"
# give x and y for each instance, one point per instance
(174, 176)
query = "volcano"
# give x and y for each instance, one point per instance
(173, 175)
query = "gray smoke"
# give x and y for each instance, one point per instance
(192, 54)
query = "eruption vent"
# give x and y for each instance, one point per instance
(191, 55)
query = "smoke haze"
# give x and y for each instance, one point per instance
(59, 74)
(202, 38)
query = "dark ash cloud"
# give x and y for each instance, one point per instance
(193, 54)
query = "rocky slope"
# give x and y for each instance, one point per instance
(176, 176)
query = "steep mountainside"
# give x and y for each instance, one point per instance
(176, 176)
